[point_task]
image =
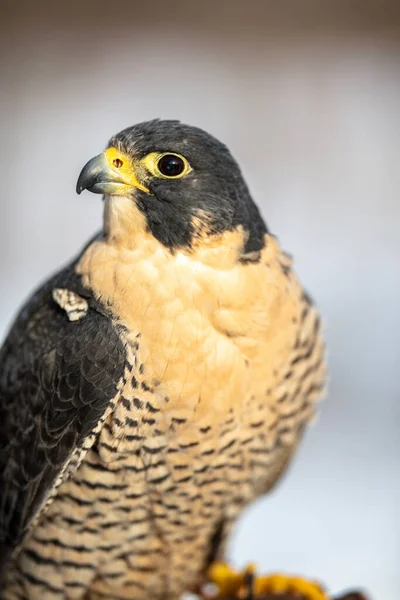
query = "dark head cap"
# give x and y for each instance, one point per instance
(181, 178)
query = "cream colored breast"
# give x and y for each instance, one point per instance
(212, 330)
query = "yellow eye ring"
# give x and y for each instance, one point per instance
(167, 165)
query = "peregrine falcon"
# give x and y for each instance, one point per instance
(157, 384)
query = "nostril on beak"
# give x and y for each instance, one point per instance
(117, 162)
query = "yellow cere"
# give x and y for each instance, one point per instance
(122, 165)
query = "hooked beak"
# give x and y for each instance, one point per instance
(111, 172)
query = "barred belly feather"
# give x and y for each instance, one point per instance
(224, 364)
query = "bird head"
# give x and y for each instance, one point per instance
(174, 181)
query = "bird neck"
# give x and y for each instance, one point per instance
(123, 223)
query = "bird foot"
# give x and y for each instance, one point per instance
(246, 585)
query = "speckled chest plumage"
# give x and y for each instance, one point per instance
(172, 468)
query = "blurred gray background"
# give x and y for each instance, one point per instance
(307, 96)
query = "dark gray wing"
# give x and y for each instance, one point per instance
(57, 378)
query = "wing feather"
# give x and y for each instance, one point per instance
(57, 378)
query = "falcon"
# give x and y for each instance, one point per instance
(156, 385)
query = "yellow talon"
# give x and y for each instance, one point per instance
(279, 584)
(227, 580)
(231, 583)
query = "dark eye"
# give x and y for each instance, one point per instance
(171, 165)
